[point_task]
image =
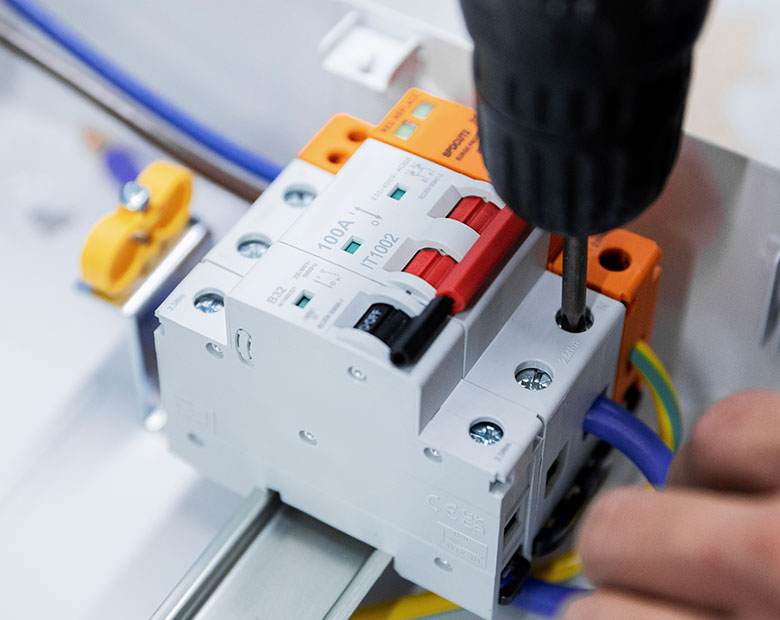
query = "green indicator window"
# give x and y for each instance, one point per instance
(352, 247)
(405, 130)
(422, 110)
(303, 300)
(397, 193)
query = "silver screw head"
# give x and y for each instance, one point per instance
(299, 196)
(308, 438)
(534, 379)
(433, 455)
(209, 303)
(252, 248)
(356, 373)
(486, 432)
(443, 564)
(134, 196)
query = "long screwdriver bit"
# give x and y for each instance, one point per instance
(575, 281)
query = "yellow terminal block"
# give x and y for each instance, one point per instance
(121, 244)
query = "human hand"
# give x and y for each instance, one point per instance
(708, 547)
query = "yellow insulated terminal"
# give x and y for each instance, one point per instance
(153, 210)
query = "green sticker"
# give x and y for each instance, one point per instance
(405, 130)
(352, 247)
(397, 193)
(422, 110)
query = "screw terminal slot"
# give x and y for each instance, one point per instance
(631, 276)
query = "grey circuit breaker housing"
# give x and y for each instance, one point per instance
(274, 386)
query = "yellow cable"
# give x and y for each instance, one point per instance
(665, 425)
(665, 431)
(645, 350)
(405, 608)
(561, 568)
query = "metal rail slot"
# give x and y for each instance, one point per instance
(272, 561)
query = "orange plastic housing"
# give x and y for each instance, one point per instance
(624, 266)
(445, 134)
(333, 145)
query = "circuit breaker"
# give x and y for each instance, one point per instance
(285, 361)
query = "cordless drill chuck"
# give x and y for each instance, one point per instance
(580, 103)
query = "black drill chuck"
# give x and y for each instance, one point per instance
(581, 103)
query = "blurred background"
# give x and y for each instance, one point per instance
(97, 519)
(255, 69)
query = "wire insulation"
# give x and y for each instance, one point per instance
(568, 565)
(560, 568)
(141, 94)
(623, 430)
(409, 607)
(543, 598)
(664, 396)
(664, 418)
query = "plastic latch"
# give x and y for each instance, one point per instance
(361, 52)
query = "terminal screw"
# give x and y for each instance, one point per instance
(486, 433)
(533, 378)
(356, 373)
(252, 248)
(299, 196)
(308, 438)
(134, 197)
(209, 303)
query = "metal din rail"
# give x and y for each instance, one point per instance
(273, 561)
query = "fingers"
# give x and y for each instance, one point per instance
(735, 446)
(761, 555)
(677, 545)
(614, 605)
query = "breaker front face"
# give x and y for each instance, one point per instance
(450, 461)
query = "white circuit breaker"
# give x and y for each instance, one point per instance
(275, 365)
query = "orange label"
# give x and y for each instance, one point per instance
(438, 130)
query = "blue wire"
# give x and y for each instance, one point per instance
(623, 430)
(141, 94)
(120, 164)
(544, 598)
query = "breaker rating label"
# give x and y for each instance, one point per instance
(464, 546)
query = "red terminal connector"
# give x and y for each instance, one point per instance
(499, 231)
(501, 234)
(431, 266)
(474, 212)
